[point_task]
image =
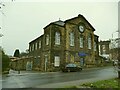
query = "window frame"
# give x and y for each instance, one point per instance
(72, 38)
(33, 47)
(57, 38)
(81, 41)
(39, 44)
(89, 41)
(95, 46)
(36, 46)
(56, 61)
(47, 39)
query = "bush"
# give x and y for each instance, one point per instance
(5, 62)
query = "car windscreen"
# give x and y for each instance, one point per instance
(71, 65)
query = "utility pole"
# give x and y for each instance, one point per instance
(119, 54)
(113, 46)
(119, 41)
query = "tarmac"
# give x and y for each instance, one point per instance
(62, 84)
(72, 83)
(76, 83)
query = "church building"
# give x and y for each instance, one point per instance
(63, 42)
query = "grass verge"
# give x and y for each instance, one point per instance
(111, 83)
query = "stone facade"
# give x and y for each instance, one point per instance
(21, 63)
(105, 49)
(63, 42)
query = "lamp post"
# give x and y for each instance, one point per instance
(118, 57)
(112, 45)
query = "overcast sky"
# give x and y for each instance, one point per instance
(24, 21)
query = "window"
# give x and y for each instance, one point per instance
(57, 38)
(57, 61)
(94, 46)
(81, 42)
(30, 48)
(104, 49)
(47, 39)
(36, 45)
(71, 39)
(33, 47)
(89, 42)
(39, 44)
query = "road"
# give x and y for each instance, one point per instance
(56, 79)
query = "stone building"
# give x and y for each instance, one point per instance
(104, 47)
(23, 63)
(109, 49)
(114, 50)
(70, 41)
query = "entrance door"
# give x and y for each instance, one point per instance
(29, 65)
(82, 61)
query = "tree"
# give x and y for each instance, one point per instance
(5, 62)
(17, 53)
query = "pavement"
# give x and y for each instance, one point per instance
(15, 73)
(24, 72)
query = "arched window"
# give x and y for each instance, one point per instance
(57, 38)
(81, 42)
(36, 46)
(95, 46)
(89, 41)
(40, 44)
(71, 39)
(33, 47)
(47, 39)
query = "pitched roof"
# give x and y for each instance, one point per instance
(83, 18)
(36, 39)
(59, 22)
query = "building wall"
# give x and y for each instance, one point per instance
(67, 53)
(72, 26)
(20, 63)
(104, 45)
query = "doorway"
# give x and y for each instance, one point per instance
(82, 61)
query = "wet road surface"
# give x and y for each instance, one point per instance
(40, 79)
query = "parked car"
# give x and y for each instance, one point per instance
(71, 68)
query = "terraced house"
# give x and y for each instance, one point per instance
(70, 41)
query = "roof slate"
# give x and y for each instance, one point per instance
(59, 22)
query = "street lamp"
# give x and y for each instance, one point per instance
(118, 57)
(112, 44)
